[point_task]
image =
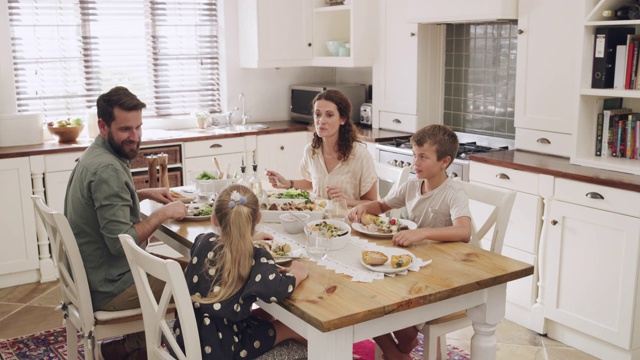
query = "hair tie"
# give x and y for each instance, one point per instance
(236, 199)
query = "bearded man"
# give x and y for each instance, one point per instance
(101, 203)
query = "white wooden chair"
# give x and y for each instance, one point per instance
(76, 299)
(156, 328)
(395, 175)
(491, 209)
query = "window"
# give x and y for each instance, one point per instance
(67, 52)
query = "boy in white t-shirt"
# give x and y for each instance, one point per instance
(436, 203)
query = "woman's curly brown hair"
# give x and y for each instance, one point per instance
(348, 133)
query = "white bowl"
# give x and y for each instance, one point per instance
(335, 243)
(211, 187)
(291, 225)
(334, 46)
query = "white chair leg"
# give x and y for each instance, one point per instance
(72, 342)
(378, 353)
(442, 344)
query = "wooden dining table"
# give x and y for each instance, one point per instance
(332, 312)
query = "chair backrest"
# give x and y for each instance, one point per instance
(71, 271)
(143, 264)
(490, 208)
(393, 174)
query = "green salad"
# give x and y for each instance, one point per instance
(292, 194)
(200, 210)
(205, 175)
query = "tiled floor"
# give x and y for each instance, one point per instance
(30, 308)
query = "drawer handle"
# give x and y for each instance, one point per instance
(412, 34)
(543, 141)
(594, 195)
(397, 121)
(216, 145)
(554, 222)
(503, 176)
(281, 147)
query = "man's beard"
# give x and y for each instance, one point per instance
(120, 150)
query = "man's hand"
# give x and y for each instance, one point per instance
(160, 195)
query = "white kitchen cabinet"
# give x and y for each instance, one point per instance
(198, 155)
(19, 255)
(590, 99)
(523, 233)
(546, 101)
(274, 33)
(284, 33)
(590, 269)
(281, 153)
(58, 169)
(408, 74)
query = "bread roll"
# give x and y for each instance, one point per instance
(400, 261)
(374, 258)
(368, 219)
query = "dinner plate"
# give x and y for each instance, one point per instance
(191, 217)
(386, 267)
(295, 252)
(186, 197)
(363, 229)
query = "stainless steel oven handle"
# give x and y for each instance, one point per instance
(503, 176)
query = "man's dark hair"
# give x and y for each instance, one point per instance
(118, 97)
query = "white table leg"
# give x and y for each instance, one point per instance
(334, 345)
(485, 317)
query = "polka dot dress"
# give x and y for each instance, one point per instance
(227, 329)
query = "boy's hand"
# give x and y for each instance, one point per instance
(355, 214)
(407, 237)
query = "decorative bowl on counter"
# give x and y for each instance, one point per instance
(66, 133)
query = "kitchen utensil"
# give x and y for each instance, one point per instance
(227, 169)
(287, 257)
(215, 161)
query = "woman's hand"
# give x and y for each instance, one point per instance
(277, 181)
(335, 192)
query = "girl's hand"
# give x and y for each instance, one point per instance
(262, 236)
(276, 180)
(298, 270)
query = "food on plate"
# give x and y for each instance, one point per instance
(176, 195)
(274, 249)
(400, 261)
(374, 258)
(376, 224)
(200, 210)
(328, 230)
(309, 205)
(205, 175)
(292, 194)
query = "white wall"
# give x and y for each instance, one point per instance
(266, 90)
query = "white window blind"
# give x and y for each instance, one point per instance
(67, 52)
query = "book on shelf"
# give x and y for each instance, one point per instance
(621, 141)
(631, 140)
(604, 54)
(599, 123)
(610, 124)
(620, 70)
(629, 67)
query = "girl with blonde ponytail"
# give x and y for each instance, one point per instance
(227, 274)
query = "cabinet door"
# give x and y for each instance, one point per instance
(55, 185)
(591, 270)
(274, 33)
(282, 153)
(546, 90)
(17, 218)
(398, 54)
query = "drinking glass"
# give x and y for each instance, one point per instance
(317, 246)
(338, 209)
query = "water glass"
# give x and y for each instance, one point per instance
(317, 246)
(338, 209)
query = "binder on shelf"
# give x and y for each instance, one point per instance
(620, 70)
(604, 54)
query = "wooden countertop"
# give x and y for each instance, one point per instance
(155, 137)
(558, 167)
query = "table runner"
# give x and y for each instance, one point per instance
(344, 261)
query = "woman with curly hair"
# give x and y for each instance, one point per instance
(335, 164)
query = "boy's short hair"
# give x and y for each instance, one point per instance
(444, 139)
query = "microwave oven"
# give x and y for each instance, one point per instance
(303, 95)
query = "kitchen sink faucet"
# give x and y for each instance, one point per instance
(245, 117)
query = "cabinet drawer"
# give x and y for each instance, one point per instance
(503, 177)
(61, 162)
(398, 122)
(213, 147)
(544, 142)
(613, 200)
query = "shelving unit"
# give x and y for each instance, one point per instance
(584, 147)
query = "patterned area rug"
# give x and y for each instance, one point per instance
(52, 345)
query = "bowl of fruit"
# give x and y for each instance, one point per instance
(66, 130)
